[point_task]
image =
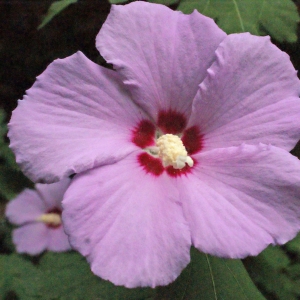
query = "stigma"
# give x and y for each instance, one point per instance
(170, 149)
(51, 219)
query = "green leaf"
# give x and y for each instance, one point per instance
(8, 184)
(165, 2)
(5, 153)
(294, 245)
(269, 271)
(67, 276)
(12, 180)
(117, 1)
(54, 9)
(260, 17)
(63, 276)
(211, 278)
(17, 274)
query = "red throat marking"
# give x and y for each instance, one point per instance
(143, 135)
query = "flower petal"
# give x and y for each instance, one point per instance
(162, 55)
(31, 238)
(241, 199)
(76, 116)
(26, 207)
(128, 224)
(251, 94)
(57, 240)
(52, 194)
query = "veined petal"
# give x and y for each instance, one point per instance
(26, 207)
(31, 238)
(52, 194)
(251, 94)
(128, 223)
(76, 116)
(241, 199)
(162, 55)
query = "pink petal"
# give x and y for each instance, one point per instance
(162, 55)
(26, 207)
(76, 116)
(52, 194)
(31, 238)
(57, 240)
(128, 224)
(251, 94)
(241, 199)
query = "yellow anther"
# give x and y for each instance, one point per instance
(172, 152)
(50, 219)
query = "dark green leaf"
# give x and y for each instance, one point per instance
(275, 17)
(211, 278)
(6, 154)
(294, 245)
(269, 271)
(117, 1)
(63, 276)
(12, 182)
(54, 9)
(67, 276)
(18, 275)
(165, 2)
(6, 244)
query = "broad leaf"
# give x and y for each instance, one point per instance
(6, 155)
(270, 270)
(294, 245)
(67, 276)
(64, 276)
(70, 272)
(260, 17)
(18, 275)
(12, 182)
(117, 1)
(165, 2)
(211, 278)
(54, 9)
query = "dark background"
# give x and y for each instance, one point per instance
(25, 51)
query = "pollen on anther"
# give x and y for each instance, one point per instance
(54, 211)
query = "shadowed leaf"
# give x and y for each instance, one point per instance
(54, 9)
(211, 278)
(278, 18)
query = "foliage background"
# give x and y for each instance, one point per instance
(25, 51)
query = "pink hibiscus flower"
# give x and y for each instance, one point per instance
(186, 143)
(38, 212)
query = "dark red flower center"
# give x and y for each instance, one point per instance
(168, 122)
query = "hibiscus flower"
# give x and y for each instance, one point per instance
(38, 213)
(185, 143)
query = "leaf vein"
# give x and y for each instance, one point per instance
(212, 277)
(236, 280)
(239, 15)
